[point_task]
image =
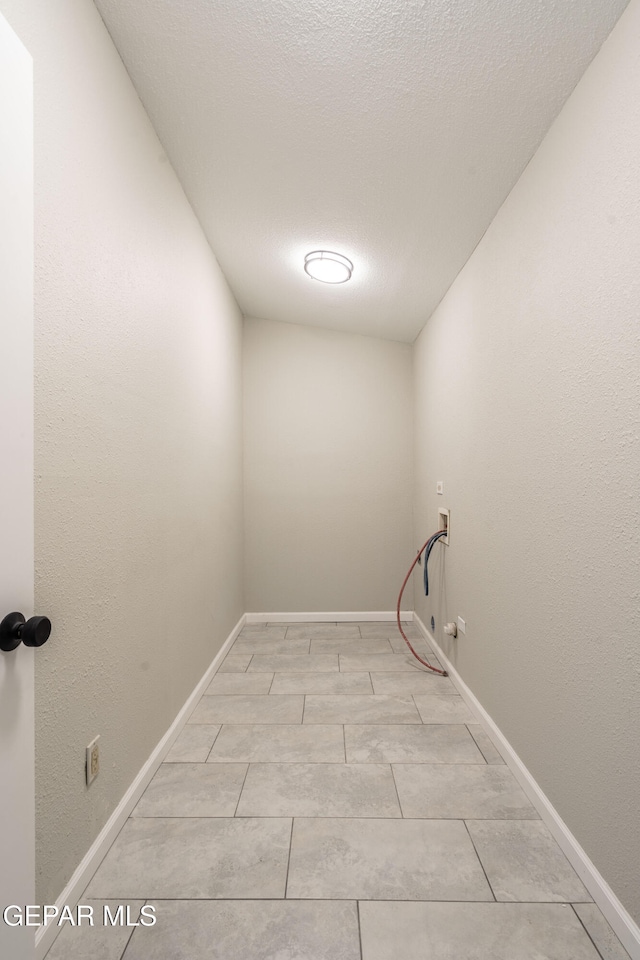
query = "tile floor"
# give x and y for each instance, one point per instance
(329, 800)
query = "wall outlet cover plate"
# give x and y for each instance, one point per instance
(93, 760)
(444, 524)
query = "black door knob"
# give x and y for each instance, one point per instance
(36, 631)
(14, 630)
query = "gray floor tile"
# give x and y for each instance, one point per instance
(248, 930)
(384, 860)
(100, 941)
(351, 647)
(486, 747)
(398, 644)
(294, 664)
(317, 631)
(600, 932)
(239, 683)
(523, 861)
(272, 743)
(265, 646)
(319, 790)
(270, 631)
(382, 662)
(428, 743)
(322, 683)
(447, 709)
(214, 858)
(354, 709)
(234, 664)
(248, 709)
(387, 629)
(193, 743)
(472, 931)
(193, 790)
(460, 791)
(431, 660)
(415, 682)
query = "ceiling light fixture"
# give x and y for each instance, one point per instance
(328, 267)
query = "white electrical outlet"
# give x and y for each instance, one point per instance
(462, 625)
(93, 760)
(440, 486)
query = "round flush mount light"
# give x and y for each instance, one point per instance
(327, 266)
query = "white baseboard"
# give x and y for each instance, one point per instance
(617, 916)
(331, 617)
(100, 847)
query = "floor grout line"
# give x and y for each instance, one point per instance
(339, 816)
(529, 903)
(395, 784)
(476, 743)
(246, 774)
(586, 930)
(286, 883)
(355, 763)
(133, 930)
(466, 826)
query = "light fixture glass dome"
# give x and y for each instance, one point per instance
(328, 267)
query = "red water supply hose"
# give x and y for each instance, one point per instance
(443, 673)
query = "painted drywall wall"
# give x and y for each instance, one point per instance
(328, 435)
(138, 422)
(527, 392)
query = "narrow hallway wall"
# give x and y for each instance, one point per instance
(527, 387)
(327, 469)
(138, 433)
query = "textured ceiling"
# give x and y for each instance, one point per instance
(388, 130)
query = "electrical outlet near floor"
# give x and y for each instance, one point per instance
(93, 760)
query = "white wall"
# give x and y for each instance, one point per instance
(527, 385)
(328, 427)
(138, 459)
